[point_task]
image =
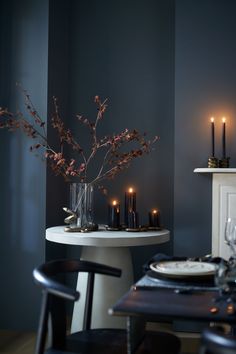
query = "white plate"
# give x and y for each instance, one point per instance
(183, 268)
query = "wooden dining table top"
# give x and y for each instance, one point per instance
(184, 302)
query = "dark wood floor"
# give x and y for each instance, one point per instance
(190, 342)
(23, 343)
(16, 342)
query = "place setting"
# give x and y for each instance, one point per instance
(194, 276)
(197, 273)
(182, 274)
(187, 275)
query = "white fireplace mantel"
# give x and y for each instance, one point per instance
(215, 170)
(223, 205)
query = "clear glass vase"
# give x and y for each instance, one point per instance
(81, 202)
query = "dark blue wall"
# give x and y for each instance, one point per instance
(165, 66)
(125, 51)
(205, 86)
(23, 58)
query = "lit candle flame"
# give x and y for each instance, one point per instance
(223, 119)
(154, 211)
(212, 119)
(131, 190)
(114, 202)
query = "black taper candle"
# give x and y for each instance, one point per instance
(213, 136)
(223, 138)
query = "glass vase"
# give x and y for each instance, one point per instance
(81, 202)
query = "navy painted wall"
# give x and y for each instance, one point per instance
(166, 67)
(23, 58)
(205, 86)
(123, 51)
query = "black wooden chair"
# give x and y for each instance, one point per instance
(87, 341)
(215, 341)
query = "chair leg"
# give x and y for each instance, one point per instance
(88, 302)
(43, 323)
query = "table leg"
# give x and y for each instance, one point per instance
(135, 333)
(107, 289)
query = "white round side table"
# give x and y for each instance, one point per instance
(110, 248)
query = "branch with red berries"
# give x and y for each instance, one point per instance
(118, 150)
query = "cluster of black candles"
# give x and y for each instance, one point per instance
(131, 217)
(213, 161)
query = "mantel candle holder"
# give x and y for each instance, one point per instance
(213, 162)
(224, 162)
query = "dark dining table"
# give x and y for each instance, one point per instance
(152, 299)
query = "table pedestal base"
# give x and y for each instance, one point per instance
(115, 287)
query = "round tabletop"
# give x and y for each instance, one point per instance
(104, 238)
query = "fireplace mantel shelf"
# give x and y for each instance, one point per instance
(215, 170)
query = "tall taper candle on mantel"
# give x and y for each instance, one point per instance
(212, 161)
(224, 162)
(213, 136)
(223, 138)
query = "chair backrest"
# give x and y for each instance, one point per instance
(215, 341)
(55, 294)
